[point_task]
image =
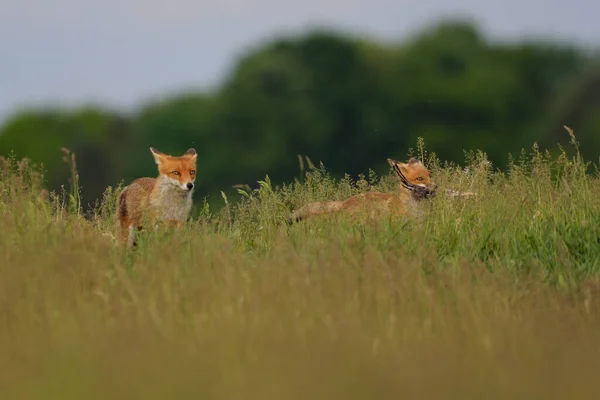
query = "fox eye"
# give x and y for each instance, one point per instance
(192, 172)
(420, 178)
(175, 173)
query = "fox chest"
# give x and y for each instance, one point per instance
(171, 206)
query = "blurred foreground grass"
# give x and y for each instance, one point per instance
(492, 297)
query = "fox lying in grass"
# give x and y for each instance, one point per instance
(416, 184)
(167, 198)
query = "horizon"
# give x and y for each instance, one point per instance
(120, 57)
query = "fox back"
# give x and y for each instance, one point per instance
(415, 184)
(167, 198)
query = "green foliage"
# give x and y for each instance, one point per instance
(100, 139)
(347, 102)
(481, 295)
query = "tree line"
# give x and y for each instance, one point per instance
(342, 100)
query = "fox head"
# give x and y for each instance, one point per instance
(178, 171)
(415, 177)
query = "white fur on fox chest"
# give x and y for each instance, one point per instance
(171, 203)
(414, 206)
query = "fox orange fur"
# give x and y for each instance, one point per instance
(167, 198)
(416, 184)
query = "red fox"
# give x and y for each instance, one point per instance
(167, 198)
(416, 184)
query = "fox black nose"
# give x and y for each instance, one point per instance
(190, 185)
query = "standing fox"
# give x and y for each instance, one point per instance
(167, 198)
(416, 184)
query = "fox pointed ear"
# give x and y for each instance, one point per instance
(191, 153)
(397, 166)
(158, 156)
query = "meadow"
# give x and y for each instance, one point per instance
(496, 296)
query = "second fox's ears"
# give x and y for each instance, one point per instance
(397, 166)
(158, 156)
(403, 167)
(191, 153)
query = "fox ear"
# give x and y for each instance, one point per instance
(414, 161)
(158, 156)
(192, 153)
(397, 166)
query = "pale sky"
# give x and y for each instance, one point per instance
(122, 52)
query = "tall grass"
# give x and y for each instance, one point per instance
(489, 297)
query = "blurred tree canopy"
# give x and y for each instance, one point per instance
(347, 102)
